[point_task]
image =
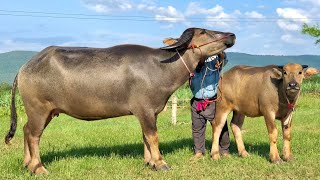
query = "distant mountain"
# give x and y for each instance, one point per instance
(10, 62)
(263, 60)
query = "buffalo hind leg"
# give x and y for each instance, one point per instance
(236, 124)
(27, 156)
(151, 141)
(217, 125)
(37, 121)
(286, 152)
(273, 134)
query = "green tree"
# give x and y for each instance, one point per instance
(312, 31)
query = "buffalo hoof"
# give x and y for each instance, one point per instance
(244, 154)
(38, 169)
(226, 155)
(26, 163)
(215, 156)
(163, 167)
(277, 161)
(288, 157)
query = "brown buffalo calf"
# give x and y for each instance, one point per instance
(270, 91)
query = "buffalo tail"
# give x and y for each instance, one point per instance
(13, 125)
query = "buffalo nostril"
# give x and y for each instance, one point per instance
(292, 84)
(231, 35)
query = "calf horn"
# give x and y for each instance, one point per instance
(183, 40)
(304, 66)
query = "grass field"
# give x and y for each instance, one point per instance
(113, 149)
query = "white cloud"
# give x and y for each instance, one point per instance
(313, 2)
(292, 18)
(215, 16)
(287, 25)
(288, 38)
(297, 15)
(164, 14)
(194, 9)
(108, 6)
(222, 20)
(254, 14)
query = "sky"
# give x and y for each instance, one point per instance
(264, 27)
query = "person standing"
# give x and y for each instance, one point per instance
(204, 87)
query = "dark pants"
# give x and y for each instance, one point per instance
(199, 121)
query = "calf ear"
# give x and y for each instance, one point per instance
(169, 41)
(311, 72)
(277, 73)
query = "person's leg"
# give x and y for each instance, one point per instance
(224, 140)
(198, 129)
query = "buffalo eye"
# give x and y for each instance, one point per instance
(300, 72)
(284, 72)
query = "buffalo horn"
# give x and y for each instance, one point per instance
(304, 66)
(184, 38)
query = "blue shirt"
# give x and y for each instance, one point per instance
(204, 84)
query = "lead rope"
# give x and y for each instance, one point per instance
(191, 74)
(287, 119)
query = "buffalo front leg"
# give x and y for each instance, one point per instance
(151, 142)
(236, 124)
(217, 125)
(273, 134)
(146, 152)
(286, 131)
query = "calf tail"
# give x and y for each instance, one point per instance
(13, 125)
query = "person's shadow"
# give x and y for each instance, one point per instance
(136, 150)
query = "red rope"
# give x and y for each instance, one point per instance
(192, 46)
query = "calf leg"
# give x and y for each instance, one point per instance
(236, 124)
(286, 152)
(151, 141)
(273, 134)
(217, 126)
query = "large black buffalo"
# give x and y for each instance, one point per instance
(100, 83)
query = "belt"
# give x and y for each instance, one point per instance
(202, 104)
(210, 99)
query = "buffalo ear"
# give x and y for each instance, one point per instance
(311, 72)
(277, 73)
(183, 41)
(169, 41)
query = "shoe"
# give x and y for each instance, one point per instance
(197, 156)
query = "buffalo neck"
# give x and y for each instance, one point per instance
(176, 71)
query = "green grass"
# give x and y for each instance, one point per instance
(113, 149)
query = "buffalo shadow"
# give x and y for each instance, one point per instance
(136, 150)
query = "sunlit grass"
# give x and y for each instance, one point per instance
(113, 149)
